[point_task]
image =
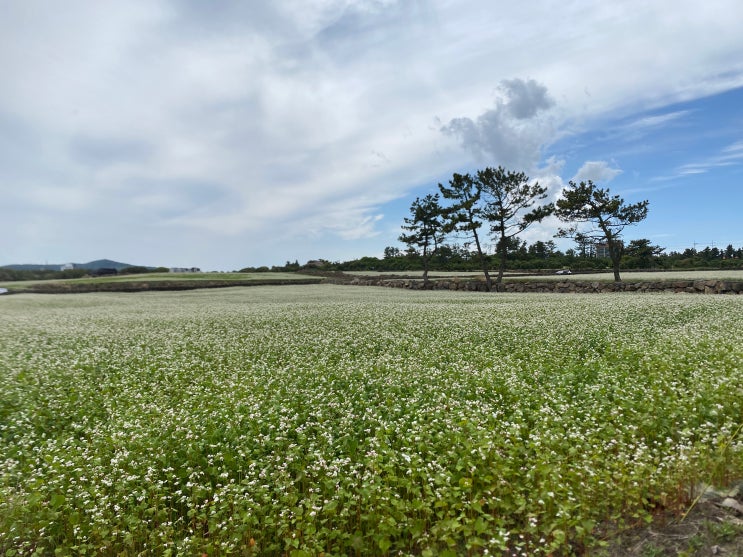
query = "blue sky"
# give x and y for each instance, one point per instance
(231, 134)
(685, 158)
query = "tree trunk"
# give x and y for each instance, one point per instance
(501, 268)
(615, 252)
(426, 258)
(502, 255)
(483, 264)
(616, 257)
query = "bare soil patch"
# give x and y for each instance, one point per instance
(713, 526)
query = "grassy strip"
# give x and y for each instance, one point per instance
(158, 281)
(162, 285)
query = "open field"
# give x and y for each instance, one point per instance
(195, 276)
(627, 276)
(185, 279)
(327, 420)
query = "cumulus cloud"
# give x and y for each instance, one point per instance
(596, 171)
(511, 133)
(524, 99)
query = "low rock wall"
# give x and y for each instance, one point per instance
(578, 286)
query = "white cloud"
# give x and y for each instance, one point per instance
(732, 152)
(512, 133)
(596, 171)
(649, 122)
(732, 155)
(215, 124)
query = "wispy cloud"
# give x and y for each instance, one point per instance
(731, 155)
(733, 152)
(633, 134)
(648, 123)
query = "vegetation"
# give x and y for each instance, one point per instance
(505, 201)
(605, 216)
(510, 207)
(328, 420)
(425, 229)
(508, 204)
(544, 256)
(465, 215)
(9, 274)
(156, 281)
(139, 270)
(502, 199)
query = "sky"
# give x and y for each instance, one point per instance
(233, 133)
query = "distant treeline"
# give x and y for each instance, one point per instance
(20, 275)
(539, 256)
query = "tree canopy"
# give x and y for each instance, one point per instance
(466, 213)
(510, 207)
(426, 229)
(596, 215)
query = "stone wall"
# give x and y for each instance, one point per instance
(578, 286)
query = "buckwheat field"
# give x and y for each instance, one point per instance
(331, 420)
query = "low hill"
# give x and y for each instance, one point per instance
(102, 264)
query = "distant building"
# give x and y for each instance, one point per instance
(67, 267)
(601, 249)
(185, 270)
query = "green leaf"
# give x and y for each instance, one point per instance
(384, 544)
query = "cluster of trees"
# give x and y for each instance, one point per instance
(729, 258)
(637, 254)
(500, 204)
(288, 267)
(139, 270)
(39, 274)
(539, 256)
(487, 211)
